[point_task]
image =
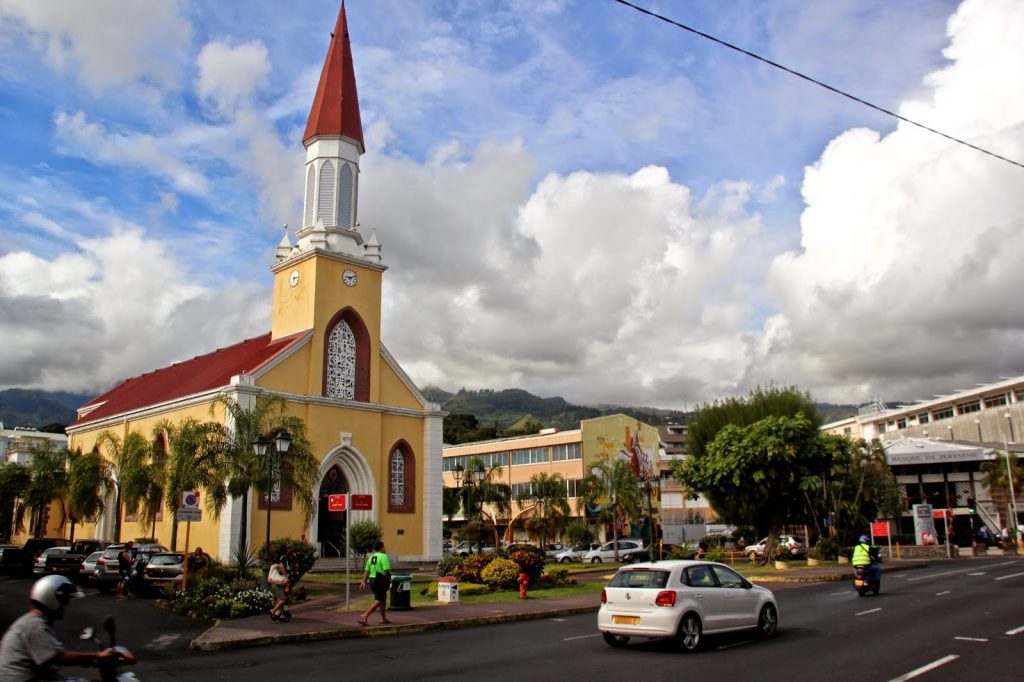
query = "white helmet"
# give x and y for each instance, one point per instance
(54, 592)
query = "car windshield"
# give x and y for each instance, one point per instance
(93, 557)
(166, 560)
(640, 578)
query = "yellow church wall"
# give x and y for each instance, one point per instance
(393, 390)
(291, 375)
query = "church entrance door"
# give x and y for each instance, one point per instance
(330, 526)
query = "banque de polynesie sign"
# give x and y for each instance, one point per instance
(930, 452)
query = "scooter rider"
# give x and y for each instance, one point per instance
(30, 649)
(864, 555)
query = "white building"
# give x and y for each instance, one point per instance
(16, 443)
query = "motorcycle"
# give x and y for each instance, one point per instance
(864, 581)
(109, 666)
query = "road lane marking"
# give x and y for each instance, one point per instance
(971, 639)
(1012, 575)
(839, 594)
(864, 613)
(936, 575)
(558, 620)
(569, 639)
(939, 594)
(925, 668)
(977, 573)
(1015, 631)
(734, 644)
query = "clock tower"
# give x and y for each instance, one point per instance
(331, 276)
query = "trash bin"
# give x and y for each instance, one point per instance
(401, 592)
(448, 590)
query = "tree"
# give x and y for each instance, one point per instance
(89, 483)
(363, 536)
(194, 462)
(48, 469)
(486, 489)
(127, 460)
(451, 502)
(14, 480)
(997, 476)
(753, 475)
(548, 495)
(617, 492)
(579, 532)
(243, 470)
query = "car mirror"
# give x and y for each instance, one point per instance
(747, 584)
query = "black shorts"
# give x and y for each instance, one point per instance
(379, 585)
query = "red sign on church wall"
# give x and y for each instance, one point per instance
(362, 502)
(336, 503)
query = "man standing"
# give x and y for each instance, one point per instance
(125, 559)
(378, 575)
(30, 649)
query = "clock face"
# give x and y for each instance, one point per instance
(293, 278)
(349, 278)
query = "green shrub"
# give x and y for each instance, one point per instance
(560, 576)
(469, 570)
(682, 553)
(501, 573)
(826, 549)
(448, 565)
(305, 552)
(715, 555)
(362, 536)
(530, 561)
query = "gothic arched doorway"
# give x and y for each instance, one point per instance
(330, 526)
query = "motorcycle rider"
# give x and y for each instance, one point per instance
(30, 649)
(865, 555)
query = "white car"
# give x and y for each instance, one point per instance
(606, 552)
(683, 600)
(796, 547)
(576, 554)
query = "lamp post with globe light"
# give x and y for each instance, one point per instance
(272, 451)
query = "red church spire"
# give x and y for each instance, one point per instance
(336, 105)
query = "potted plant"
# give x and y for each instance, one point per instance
(782, 556)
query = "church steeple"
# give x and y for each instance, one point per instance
(334, 143)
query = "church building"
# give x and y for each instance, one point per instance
(370, 428)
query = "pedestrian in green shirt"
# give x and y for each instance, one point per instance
(377, 575)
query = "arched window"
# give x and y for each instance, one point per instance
(347, 357)
(310, 196)
(397, 478)
(345, 196)
(402, 479)
(341, 362)
(325, 200)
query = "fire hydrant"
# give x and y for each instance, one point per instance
(523, 582)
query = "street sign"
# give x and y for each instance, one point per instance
(337, 503)
(189, 514)
(362, 502)
(879, 529)
(190, 499)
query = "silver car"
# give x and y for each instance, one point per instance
(40, 564)
(606, 552)
(796, 547)
(683, 600)
(576, 554)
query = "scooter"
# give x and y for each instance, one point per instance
(864, 582)
(108, 666)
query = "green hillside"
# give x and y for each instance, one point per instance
(25, 407)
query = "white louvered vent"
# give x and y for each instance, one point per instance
(345, 196)
(325, 201)
(310, 188)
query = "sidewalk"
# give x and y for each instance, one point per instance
(325, 617)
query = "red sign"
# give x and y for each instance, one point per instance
(879, 529)
(336, 503)
(362, 502)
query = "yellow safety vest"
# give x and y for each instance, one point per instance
(861, 555)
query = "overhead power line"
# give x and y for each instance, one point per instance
(815, 81)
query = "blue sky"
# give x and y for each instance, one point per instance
(573, 198)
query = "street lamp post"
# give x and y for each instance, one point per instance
(262, 447)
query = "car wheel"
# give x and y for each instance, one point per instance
(596, 560)
(617, 641)
(752, 556)
(689, 633)
(768, 621)
(566, 560)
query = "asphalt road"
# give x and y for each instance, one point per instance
(963, 618)
(150, 633)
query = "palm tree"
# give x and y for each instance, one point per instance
(49, 471)
(548, 495)
(997, 475)
(194, 462)
(297, 468)
(482, 487)
(14, 480)
(619, 489)
(127, 460)
(89, 483)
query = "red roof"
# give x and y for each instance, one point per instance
(336, 105)
(201, 373)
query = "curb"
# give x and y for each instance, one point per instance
(379, 631)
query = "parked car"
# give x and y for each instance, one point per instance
(107, 571)
(70, 562)
(662, 552)
(40, 564)
(683, 600)
(606, 552)
(466, 548)
(164, 568)
(575, 554)
(20, 560)
(796, 547)
(87, 569)
(553, 549)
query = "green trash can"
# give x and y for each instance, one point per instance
(401, 592)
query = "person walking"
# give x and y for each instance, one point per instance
(125, 559)
(277, 578)
(377, 575)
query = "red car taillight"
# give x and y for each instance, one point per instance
(665, 598)
(604, 597)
